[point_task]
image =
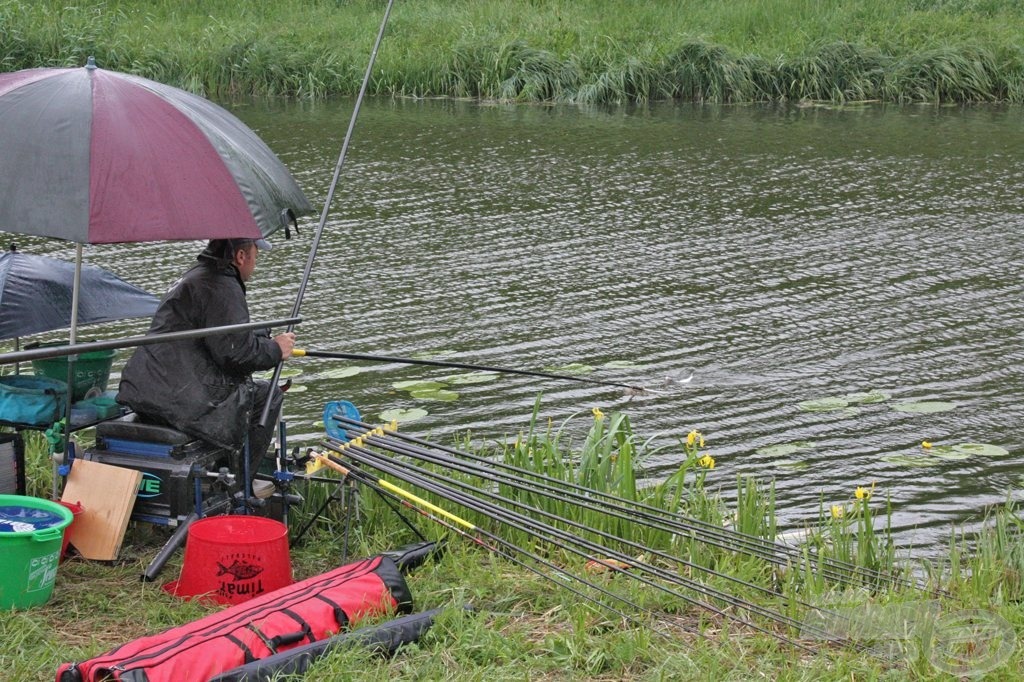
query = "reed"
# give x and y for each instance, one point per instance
(609, 51)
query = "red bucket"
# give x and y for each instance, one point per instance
(76, 509)
(231, 559)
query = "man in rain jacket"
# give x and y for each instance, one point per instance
(203, 387)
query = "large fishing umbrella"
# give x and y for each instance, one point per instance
(94, 156)
(36, 294)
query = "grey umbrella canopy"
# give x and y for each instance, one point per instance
(36, 294)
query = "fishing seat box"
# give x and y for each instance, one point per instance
(174, 466)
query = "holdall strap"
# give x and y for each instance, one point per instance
(246, 651)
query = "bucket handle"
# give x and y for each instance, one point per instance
(47, 534)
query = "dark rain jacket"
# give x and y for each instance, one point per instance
(202, 387)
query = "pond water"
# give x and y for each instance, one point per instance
(781, 255)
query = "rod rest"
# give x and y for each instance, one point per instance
(130, 427)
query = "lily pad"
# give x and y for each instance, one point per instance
(471, 378)
(867, 398)
(912, 460)
(572, 368)
(924, 407)
(948, 452)
(794, 464)
(298, 388)
(620, 364)
(418, 385)
(403, 416)
(984, 449)
(823, 404)
(286, 373)
(341, 372)
(784, 449)
(435, 394)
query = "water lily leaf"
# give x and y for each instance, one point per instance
(318, 424)
(341, 372)
(866, 398)
(286, 373)
(620, 364)
(400, 415)
(924, 407)
(435, 394)
(418, 385)
(822, 405)
(912, 460)
(298, 388)
(985, 449)
(572, 368)
(794, 464)
(471, 378)
(784, 449)
(948, 452)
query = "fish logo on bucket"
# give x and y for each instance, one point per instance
(239, 575)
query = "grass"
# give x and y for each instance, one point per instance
(522, 626)
(605, 51)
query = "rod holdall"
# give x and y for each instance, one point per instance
(296, 615)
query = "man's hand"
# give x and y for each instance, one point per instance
(286, 342)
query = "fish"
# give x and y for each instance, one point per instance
(240, 570)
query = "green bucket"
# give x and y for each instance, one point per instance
(92, 370)
(31, 535)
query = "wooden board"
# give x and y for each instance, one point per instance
(107, 494)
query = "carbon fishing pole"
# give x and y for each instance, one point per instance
(722, 539)
(462, 527)
(462, 365)
(660, 519)
(330, 196)
(48, 352)
(557, 494)
(570, 542)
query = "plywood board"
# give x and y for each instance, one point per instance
(107, 494)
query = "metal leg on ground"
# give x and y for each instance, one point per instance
(176, 540)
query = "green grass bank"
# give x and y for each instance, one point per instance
(961, 619)
(602, 51)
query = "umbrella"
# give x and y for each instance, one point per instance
(94, 156)
(36, 294)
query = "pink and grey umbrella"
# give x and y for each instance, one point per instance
(94, 156)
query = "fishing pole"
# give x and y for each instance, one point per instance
(650, 516)
(571, 542)
(635, 390)
(463, 527)
(47, 352)
(330, 197)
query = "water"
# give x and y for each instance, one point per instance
(779, 254)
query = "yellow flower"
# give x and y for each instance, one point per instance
(707, 461)
(925, 444)
(598, 414)
(862, 493)
(694, 437)
(837, 511)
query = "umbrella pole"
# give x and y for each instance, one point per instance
(75, 288)
(330, 195)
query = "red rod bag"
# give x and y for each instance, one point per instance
(298, 614)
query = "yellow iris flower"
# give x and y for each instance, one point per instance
(837, 511)
(707, 461)
(598, 414)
